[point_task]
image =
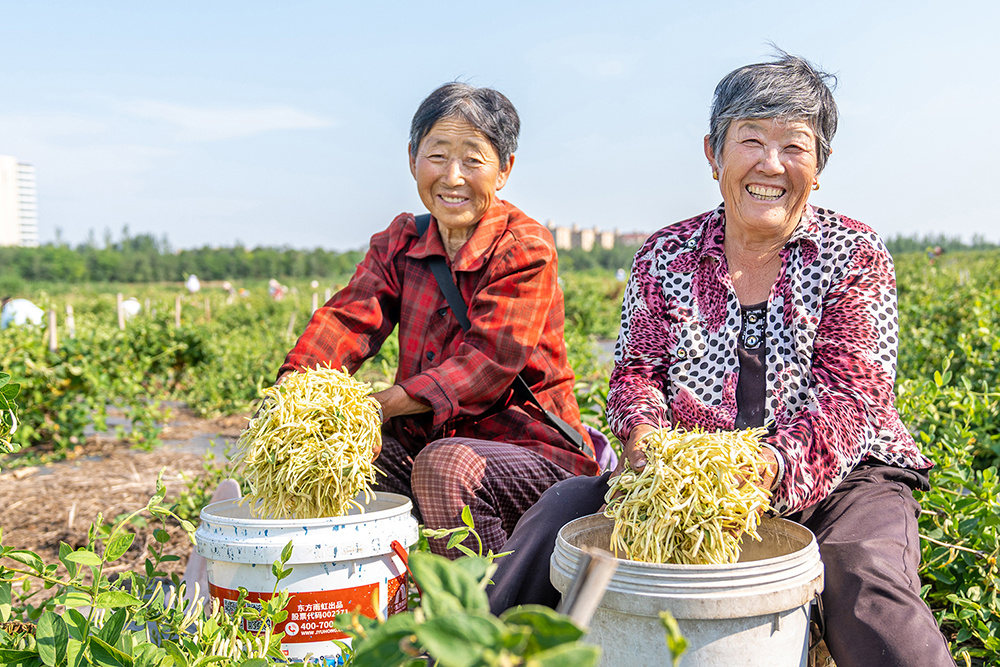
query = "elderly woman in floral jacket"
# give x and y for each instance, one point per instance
(768, 311)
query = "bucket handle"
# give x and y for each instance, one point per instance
(819, 618)
(404, 556)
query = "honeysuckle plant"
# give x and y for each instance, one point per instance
(452, 625)
(78, 615)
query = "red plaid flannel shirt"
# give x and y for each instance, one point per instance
(507, 275)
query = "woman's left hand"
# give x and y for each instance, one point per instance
(634, 456)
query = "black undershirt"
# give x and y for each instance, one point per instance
(751, 388)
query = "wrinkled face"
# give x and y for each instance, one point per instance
(458, 173)
(766, 171)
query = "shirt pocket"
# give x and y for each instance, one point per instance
(687, 344)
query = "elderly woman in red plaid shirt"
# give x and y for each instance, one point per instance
(455, 433)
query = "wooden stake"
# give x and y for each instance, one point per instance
(291, 327)
(70, 321)
(315, 302)
(208, 310)
(121, 313)
(53, 340)
(329, 293)
(177, 312)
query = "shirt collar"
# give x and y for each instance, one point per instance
(711, 241)
(473, 254)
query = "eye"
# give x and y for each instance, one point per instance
(752, 142)
(435, 157)
(473, 161)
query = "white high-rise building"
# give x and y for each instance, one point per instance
(18, 203)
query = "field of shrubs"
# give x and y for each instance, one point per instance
(228, 347)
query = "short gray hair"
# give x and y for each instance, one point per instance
(789, 88)
(487, 110)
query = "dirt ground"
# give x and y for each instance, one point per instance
(44, 505)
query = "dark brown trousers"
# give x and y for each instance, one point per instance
(867, 535)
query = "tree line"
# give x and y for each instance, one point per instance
(901, 245)
(144, 258)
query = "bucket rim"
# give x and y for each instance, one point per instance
(628, 563)
(402, 505)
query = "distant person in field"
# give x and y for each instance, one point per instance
(19, 312)
(768, 311)
(455, 434)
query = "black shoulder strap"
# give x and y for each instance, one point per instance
(454, 298)
(443, 276)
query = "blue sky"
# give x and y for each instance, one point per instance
(286, 123)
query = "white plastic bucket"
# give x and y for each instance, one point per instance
(338, 564)
(751, 613)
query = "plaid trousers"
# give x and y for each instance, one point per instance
(497, 480)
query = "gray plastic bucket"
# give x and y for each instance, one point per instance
(754, 612)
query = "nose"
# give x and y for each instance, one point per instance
(453, 174)
(770, 161)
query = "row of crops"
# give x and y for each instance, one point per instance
(225, 350)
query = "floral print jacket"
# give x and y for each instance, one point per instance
(831, 336)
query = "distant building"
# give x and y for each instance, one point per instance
(568, 238)
(18, 203)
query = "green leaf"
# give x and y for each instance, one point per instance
(113, 626)
(71, 567)
(159, 494)
(148, 655)
(75, 655)
(117, 547)
(161, 536)
(458, 640)
(77, 624)
(286, 553)
(175, 652)
(73, 599)
(467, 517)
(675, 640)
(254, 662)
(107, 655)
(84, 557)
(548, 627)
(51, 635)
(457, 537)
(28, 558)
(567, 655)
(4, 601)
(382, 645)
(447, 588)
(114, 599)
(12, 658)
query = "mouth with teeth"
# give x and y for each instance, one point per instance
(764, 193)
(452, 200)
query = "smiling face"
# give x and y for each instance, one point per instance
(458, 174)
(766, 171)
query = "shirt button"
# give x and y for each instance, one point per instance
(430, 356)
(681, 353)
(442, 312)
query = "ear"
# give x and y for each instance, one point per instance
(710, 154)
(413, 160)
(505, 173)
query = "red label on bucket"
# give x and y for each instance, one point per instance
(311, 614)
